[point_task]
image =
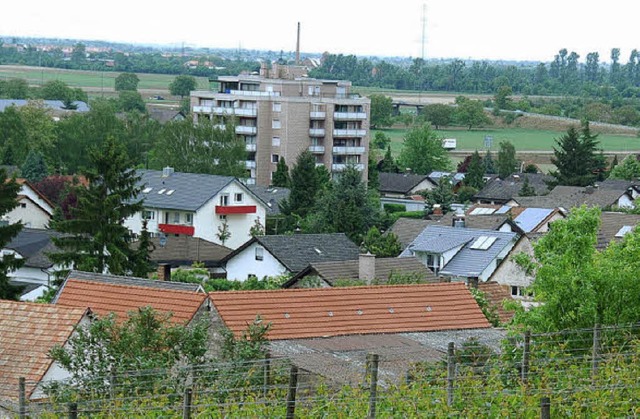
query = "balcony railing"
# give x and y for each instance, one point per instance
(250, 147)
(318, 115)
(177, 229)
(245, 129)
(338, 167)
(350, 116)
(250, 164)
(316, 132)
(256, 93)
(349, 132)
(202, 109)
(348, 150)
(317, 149)
(235, 209)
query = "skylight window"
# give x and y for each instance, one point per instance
(483, 242)
(147, 190)
(161, 191)
(482, 211)
(169, 192)
(624, 230)
(318, 251)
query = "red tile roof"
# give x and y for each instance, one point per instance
(322, 312)
(27, 332)
(496, 294)
(104, 298)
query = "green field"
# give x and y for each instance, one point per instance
(522, 139)
(93, 80)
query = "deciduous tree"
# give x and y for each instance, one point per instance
(506, 159)
(629, 169)
(182, 85)
(381, 110)
(470, 113)
(127, 81)
(438, 114)
(422, 151)
(381, 245)
(475, 172)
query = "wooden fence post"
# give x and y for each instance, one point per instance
(266, 378)
(291, 396)
(22, 398)
(595, 354)
(545, 408)
(372, 362)
(186, 405)
(451, 372)
(72, 409)
(525, 356)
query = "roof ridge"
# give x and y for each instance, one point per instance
(342, 289)
(89, 281)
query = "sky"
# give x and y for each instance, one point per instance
(466, 29)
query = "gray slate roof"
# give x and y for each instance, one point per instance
(297, 251)
(610, 225)
(34, 245)
(467, 262)
(56, 105)
(272, 195)
(191, 190)
(401, 183)
(502, 191)
(568, 197)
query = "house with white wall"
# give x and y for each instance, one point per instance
(286, 254)
(33, 210)
(197, 205)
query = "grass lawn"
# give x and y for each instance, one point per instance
(89, 79)
(522, 139)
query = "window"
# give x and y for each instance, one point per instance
(275, 158)
(237, 197)
(516, 291)
(222, 217)
(259, 253)
(275, 141)
(224, 200)
(483, 242)
(23, 205)
(176, 217)
(277, 107)
(188, 218)
(148, 215)
(275, 124)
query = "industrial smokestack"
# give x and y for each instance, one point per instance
(298, 46)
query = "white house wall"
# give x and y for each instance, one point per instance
(509, 272)
(425, 185)
(32, 216)
(33, 196)
(31, 276)
(244, 264)
(625, 202)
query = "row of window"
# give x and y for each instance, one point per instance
(237, 198)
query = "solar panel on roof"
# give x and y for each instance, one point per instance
(483, 242)
(503, 209)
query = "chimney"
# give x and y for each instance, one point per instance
(516, 178)
(437, 209)
(164, 272)
(367, 267)
(458, 221)
(298, 46)
(589, 190)
(167, 171)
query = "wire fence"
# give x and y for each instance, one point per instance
(589, 372)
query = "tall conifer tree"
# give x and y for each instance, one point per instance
(8, 200)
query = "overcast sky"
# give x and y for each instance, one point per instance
(478, 29)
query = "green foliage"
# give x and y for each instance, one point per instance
(373, 177)
(381, 140)
(422, 152)
(381, 110)
(475, 172)
(145, 340)
(59, 90)
(224, 233)
(502, 98)
(34, 169)
(200, 148)
(381, 245)
(488, 309)
(143, 265)
(629, 169)
(130, 100)
(8, 200)
(527, 189)
(281, 176)
(97, 239)
(506, 159)
(250, 345)
(438, 114)
(126, 82)
(14, 89)
(530, 168)
(576, 157)
(182, 85)
(441, 195)
(388, 164)
(391, 208)
(489, 166)
(465, 194)
(305, 185)
(470, 113)
(257, 229)
(26, 128)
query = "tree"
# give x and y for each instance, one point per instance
(502, 98)
(16, 89)
(34, 168)
(96, 239)
(470, 113)
(146, 340)
(57, 90)
(223, 233)
(489, 166)
(373, 177)
(257, 229)
(143, 265)
(381, 245)
(127, 81)
(629, 169)
(388, 164)
(380, 140)
(381, 110)
(576, 158)
(305, 185)
(182, 85)
(8, 200)
(30, 127)
(347, 207)
(507, 162)
(281, 176)
(205, 147)
(130, 100)
(465, 194)
(422, 151)
(441, 195)
(438, 114)
(527, 189)
(475, 172)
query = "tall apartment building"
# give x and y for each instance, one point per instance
(281, 112)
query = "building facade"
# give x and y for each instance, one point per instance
(280, 113)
